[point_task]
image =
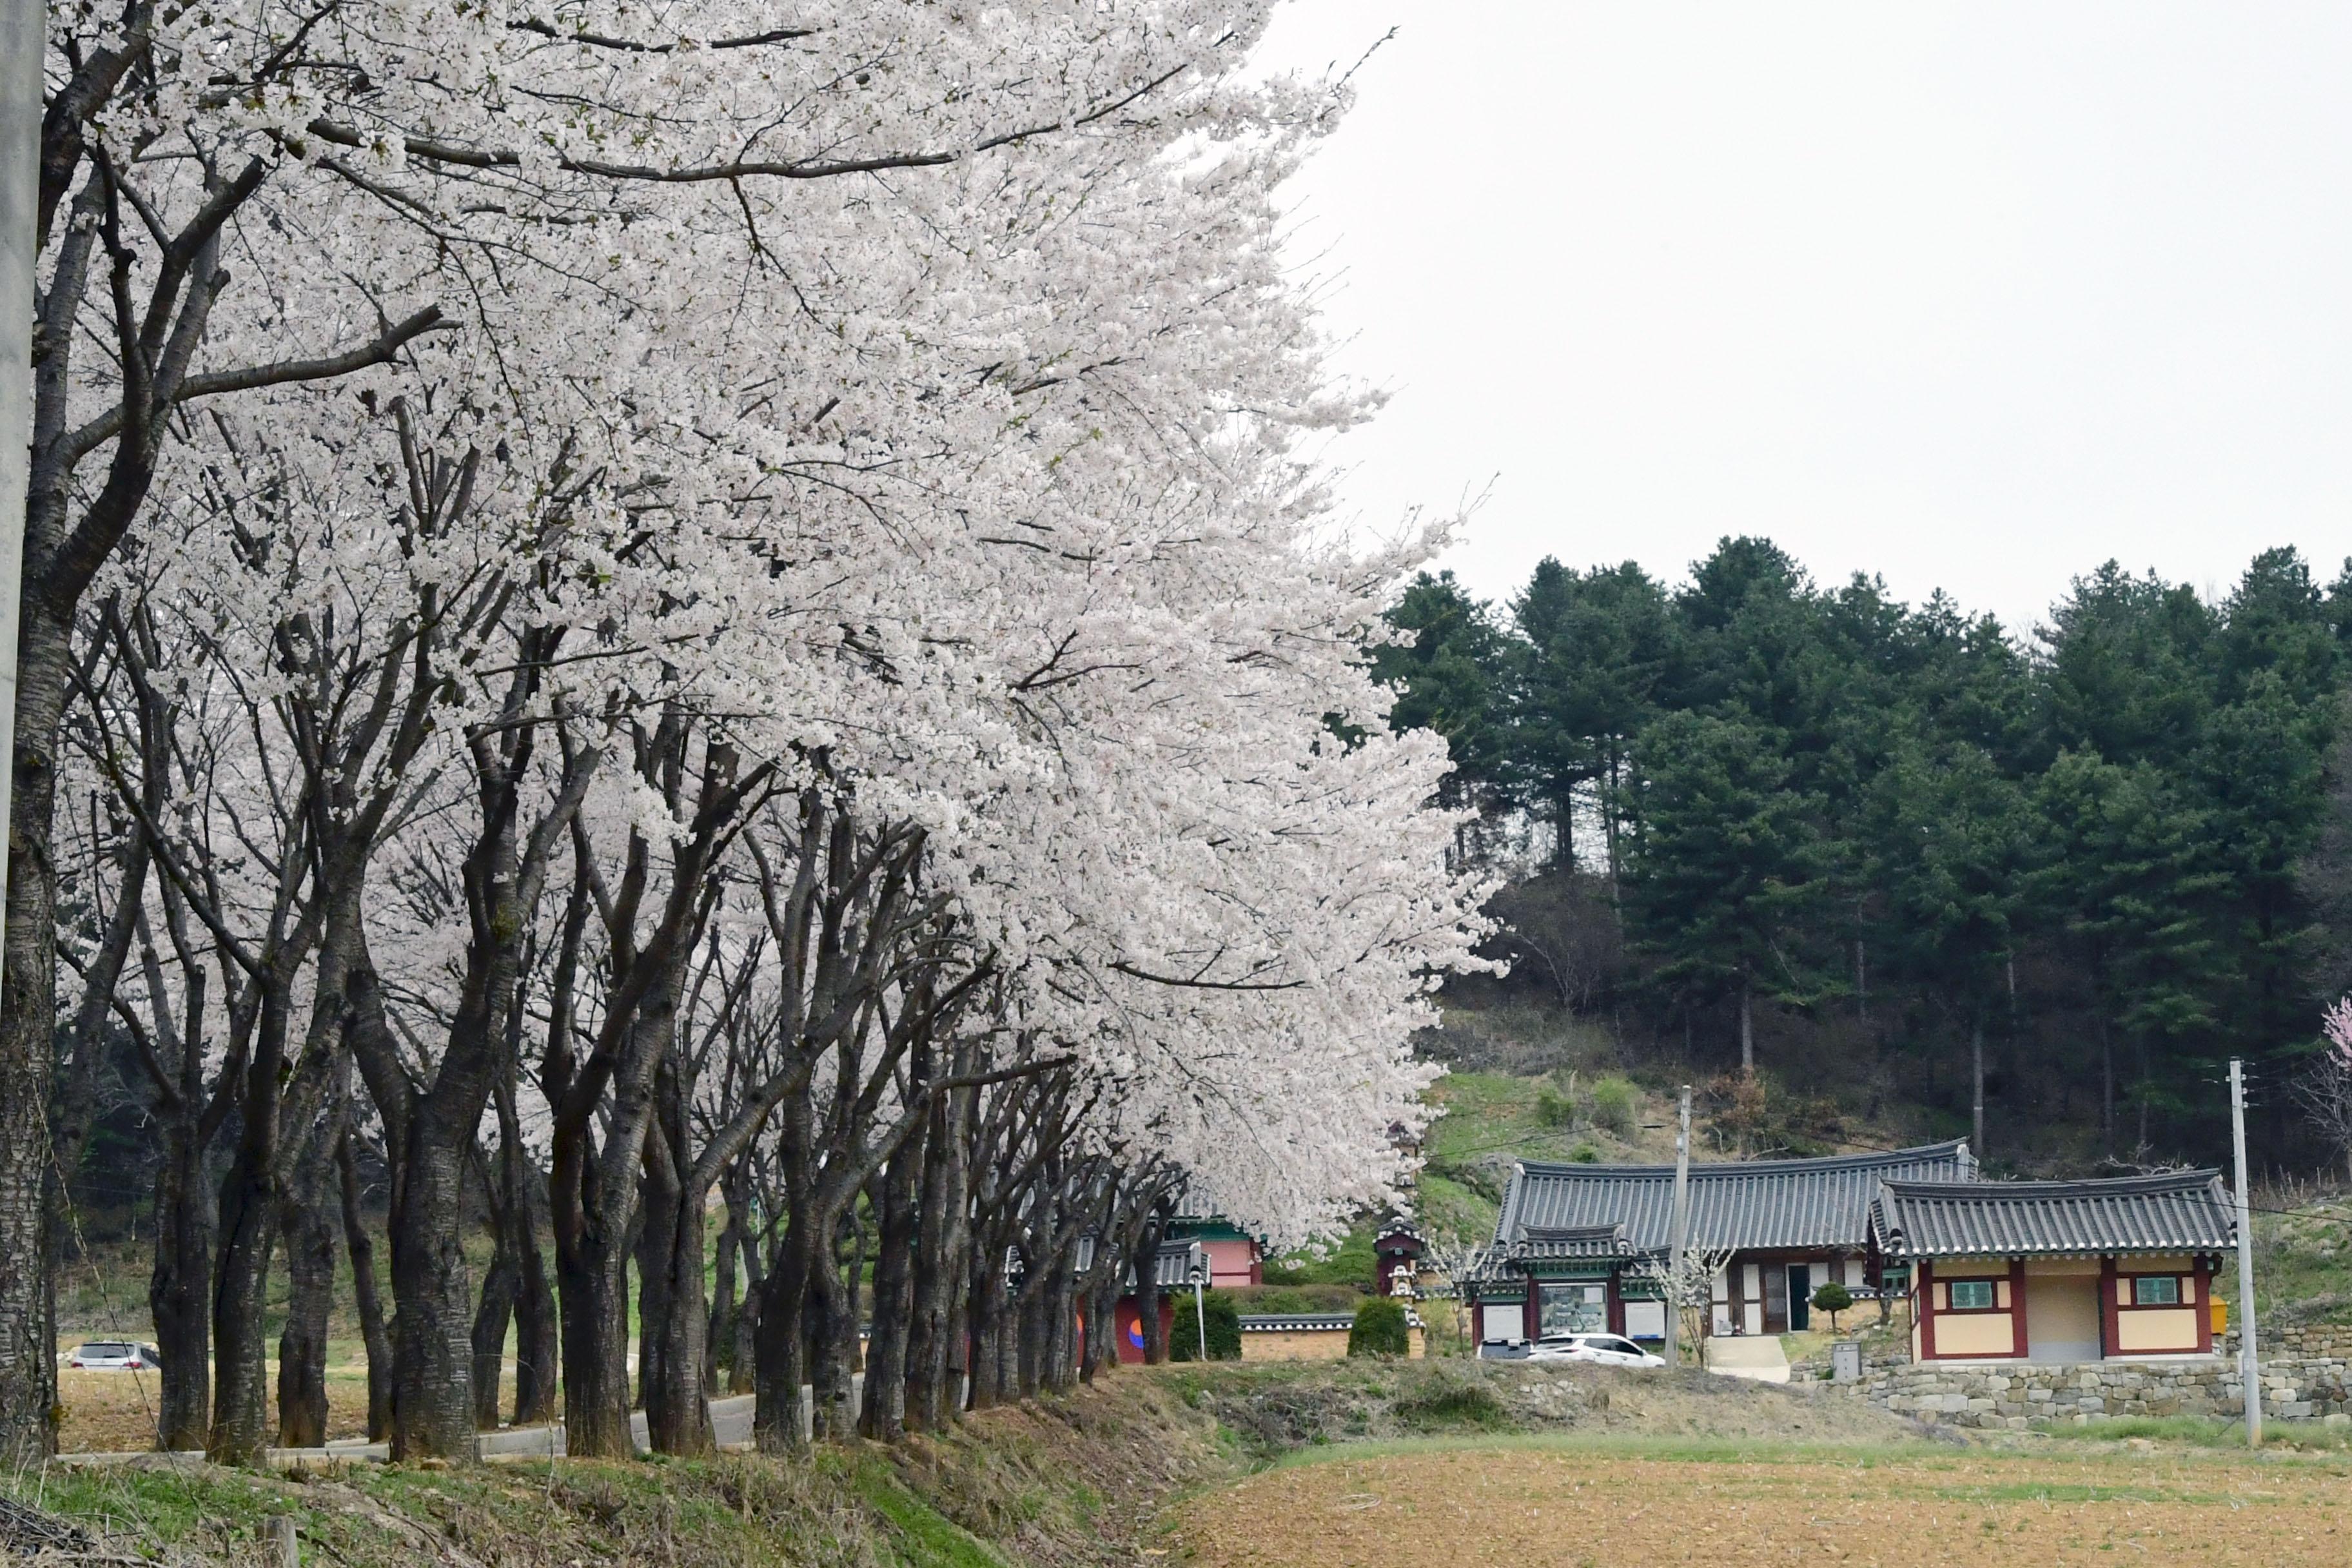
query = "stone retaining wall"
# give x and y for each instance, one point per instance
(2308, 1341)
(2016, 1395)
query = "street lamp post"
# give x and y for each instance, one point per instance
(1199, 1276)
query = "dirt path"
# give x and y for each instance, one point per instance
(1535, 1505)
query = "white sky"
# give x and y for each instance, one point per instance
(1973, 296)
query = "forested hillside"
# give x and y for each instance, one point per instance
(2035, 884)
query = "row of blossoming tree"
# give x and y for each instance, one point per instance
(636, 612)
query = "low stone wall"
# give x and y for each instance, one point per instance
(2304, 1342)
(2017, 1394)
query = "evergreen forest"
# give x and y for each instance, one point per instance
(2034, 885)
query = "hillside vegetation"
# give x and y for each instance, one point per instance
(1906, 859)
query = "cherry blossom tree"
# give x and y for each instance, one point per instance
(807, 660)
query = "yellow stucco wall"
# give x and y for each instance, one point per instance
(1975, 1333)
(2152, 1329)
(1320, 1345)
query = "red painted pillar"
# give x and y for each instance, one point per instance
(1923, 1305)
(2110, 1335)
(2017, 1307)
(2205, 1309)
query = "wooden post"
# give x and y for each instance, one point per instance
(288, 1544)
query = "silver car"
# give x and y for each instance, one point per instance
(115, 1355)
(1598, 1350)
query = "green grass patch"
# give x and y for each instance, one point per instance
(1350, 1262)
(925, 1538)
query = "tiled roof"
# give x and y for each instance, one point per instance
(1171, 1265)
(1822, 1203)
(1309, 1322)
(1539, 1241)
(2183, 1211)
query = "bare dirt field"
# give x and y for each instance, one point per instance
(1538, 1503)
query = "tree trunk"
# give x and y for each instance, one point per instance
(989, 1309)
(744, 1359)
(2107, 1088)
(28, 983)
(1146, 1289)
(1976, 1083)
(1057, 1366)
(1746, 1025)
(593, 1291)
(491, 1316)
(942, 1239)
(240, 1287)
(674, 1364)
(721, 1334)
(432, 1297)
(1861, 983)
(830, 1314)
(310, 1228)
(178, 1287)
(1101, 1345)
(359, 1244)
(779, 1351)
(534, 1297)
(884, 1418)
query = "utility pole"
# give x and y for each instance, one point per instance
(1674, 1237)
(24, 36)
(2249, 1364)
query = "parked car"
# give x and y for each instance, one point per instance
(1601, 1350)
(115, 1355)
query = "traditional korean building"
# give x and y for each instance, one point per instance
(1235, 1256)
(1575, 1245)
(2058, 1271)
(1172, 1272)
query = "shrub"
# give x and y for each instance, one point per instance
(1554, 1109)
(1380, 1329)
(1615, 1102)
(1448, 1399)
(1832, 1297)
(1584, 1154)
(1223, 1317)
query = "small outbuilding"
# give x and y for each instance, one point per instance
(2058, 1271)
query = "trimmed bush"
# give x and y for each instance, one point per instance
(1380, 1329)
(1615, 1104)
(1832, 1297)
(1223, 1316)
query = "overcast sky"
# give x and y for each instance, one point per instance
(1971, 296)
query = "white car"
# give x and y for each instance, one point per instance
(1598, 1349)
(115, 1355)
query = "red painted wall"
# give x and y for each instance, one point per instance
(1131, 1328)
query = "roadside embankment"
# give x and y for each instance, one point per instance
(1066, 1482)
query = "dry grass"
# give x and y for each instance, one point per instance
(114, 1411)
(1474, 1505)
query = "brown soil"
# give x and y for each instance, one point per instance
(1539, 1506)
